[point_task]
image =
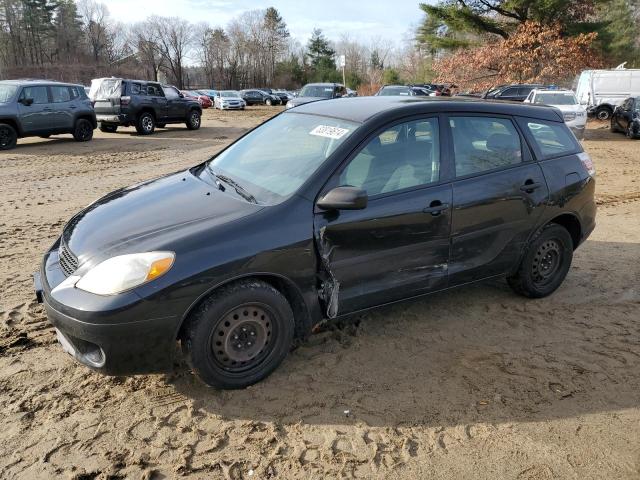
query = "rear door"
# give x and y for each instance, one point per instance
(160, 104)
(37, 116)
(398, 246)
(499, 194)
(63, 107)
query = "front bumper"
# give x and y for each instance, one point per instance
(110, 335)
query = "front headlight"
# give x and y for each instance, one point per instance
(289, 104)
(124, 272)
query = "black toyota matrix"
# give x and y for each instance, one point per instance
(370, 201)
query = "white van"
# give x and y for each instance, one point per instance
(601, 91)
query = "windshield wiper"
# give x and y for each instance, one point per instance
(238, 188)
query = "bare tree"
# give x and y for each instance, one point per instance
(174, 38)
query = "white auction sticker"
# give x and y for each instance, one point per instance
(329, 132)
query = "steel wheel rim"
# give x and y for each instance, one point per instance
(603, 115)
(5, 136)
(147, 123)
(195, 119)
(546, 262)
(242, 338)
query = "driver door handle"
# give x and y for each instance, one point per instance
(530, 187)
(436, 208)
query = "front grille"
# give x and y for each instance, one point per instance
(569, 116)
(68, 261)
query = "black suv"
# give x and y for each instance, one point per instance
(145, 105)
(31, 108)
(259, 97)
(516, 93)
(370, 201)
(626, 118)
(312, 92)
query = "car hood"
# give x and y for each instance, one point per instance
(157, 214)
(570, 108)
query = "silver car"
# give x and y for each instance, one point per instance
(228, 100)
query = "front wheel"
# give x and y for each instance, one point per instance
(239, 335)
(83, 131)
(193, 120)
(268, 102)
(603, 113)
(8, 137)
(545, 264)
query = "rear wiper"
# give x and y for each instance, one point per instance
(238, 188)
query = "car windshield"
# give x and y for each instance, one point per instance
(390, 91)
(322, 91)
(7, 92)
(558, 98)
(271, 171)
(229, 94)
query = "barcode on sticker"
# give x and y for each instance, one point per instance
(329, 132)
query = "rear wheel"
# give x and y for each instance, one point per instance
(83, 131)
(545, 263)
(193, 120)
(108, 128)
(239, 335)
(8, 137)
(146, 124)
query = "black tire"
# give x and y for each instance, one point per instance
(268, 102)
(146, 124)
(603, 113)
(8, 137)
(45, 136)
(161, 125)
(252, 310)
(545, 263)
(83, 131)
(108, 128)
(193, 120)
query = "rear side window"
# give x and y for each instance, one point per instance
(60, 94)
(135, 89)
(553, 139)
(481, 144)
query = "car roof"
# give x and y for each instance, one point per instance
(323, 84)
(23, 82)
(552, 90)
(361, 109)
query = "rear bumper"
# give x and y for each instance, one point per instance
(116, 339)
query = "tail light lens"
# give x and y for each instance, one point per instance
(587, 163)
(124, 101)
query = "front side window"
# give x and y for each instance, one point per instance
(60, 94)
(171, 93)
(38, 94)
(509, 92)
(552, 138)
(272, 171)
(481, 144)
(404, 156)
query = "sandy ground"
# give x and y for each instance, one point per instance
(473, 383)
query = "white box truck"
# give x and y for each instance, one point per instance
(601, 91)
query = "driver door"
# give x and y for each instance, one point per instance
(398, 246)
(37, 116)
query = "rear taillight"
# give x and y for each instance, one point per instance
(587, 163)
(124, 101)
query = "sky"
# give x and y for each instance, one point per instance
(361, 20)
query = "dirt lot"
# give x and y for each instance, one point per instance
(473, 383)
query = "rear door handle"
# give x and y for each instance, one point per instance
(530, 187)
(436, 210)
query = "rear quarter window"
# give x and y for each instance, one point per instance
(552, 139)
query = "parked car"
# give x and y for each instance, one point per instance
(439, 89)
(626, 118)
(362, 206)
(601, 91)
(312, 92)
(283, 97)
(404, 90)
(32, 108)
(575, 115)
(145, 105)
(258, 97)
(202, 99)
(229, 100)
(209, 93)
(515, 93)
(351, 93)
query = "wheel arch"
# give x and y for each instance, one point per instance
(147, 110)
(572, 224)
(301, 312)
(13, 123)
(86, 116)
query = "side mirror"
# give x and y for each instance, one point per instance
(181, 95)
(344, 198)
(26, 101)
